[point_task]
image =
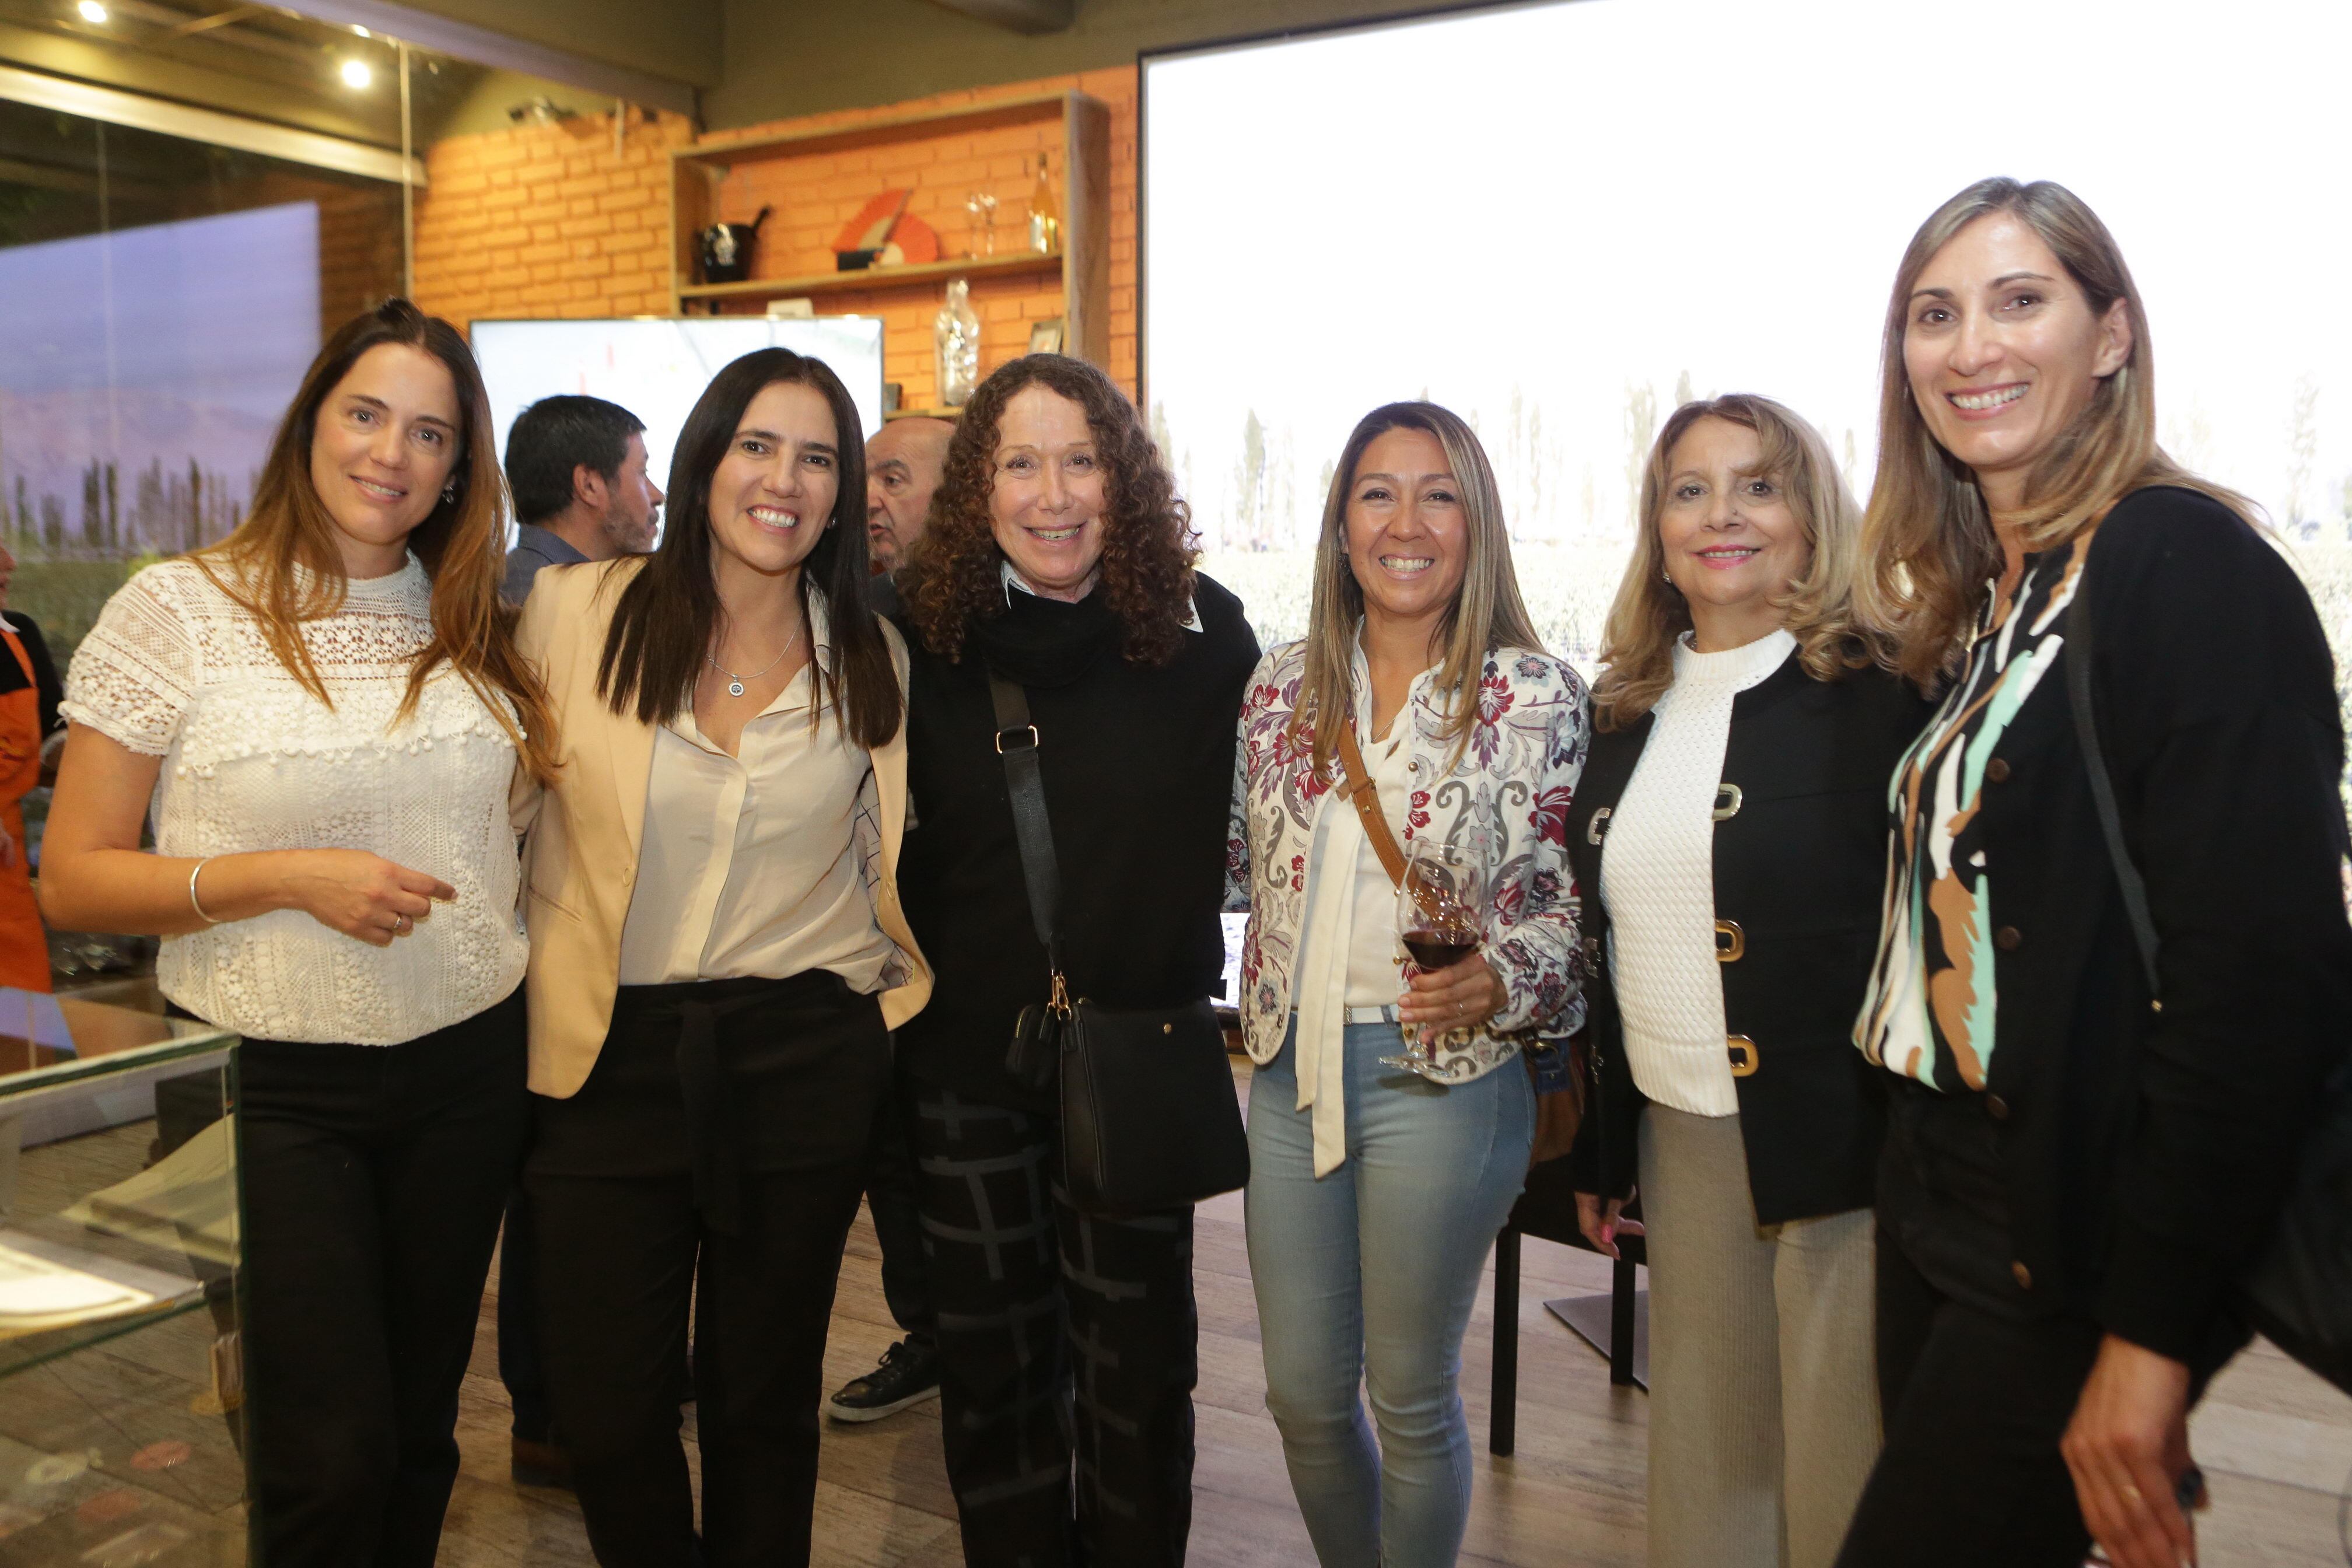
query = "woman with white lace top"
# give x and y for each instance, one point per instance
(1730, 838)
(327, 715)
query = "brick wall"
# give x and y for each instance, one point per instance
(545, 221)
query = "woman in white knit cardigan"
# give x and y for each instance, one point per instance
(1729, 840)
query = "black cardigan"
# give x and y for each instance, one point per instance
(2147, 1152)
(1801, 868)
(1138, 766)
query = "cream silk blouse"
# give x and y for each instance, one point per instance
(750, 863)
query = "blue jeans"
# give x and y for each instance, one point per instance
(1369, 1275)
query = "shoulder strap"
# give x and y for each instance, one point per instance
(1016, 742)
(1358, 786)
(2077, 655)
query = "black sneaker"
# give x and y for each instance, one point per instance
(907, 1374)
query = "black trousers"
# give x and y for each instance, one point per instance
(1977, 1374)
(892, 1199)
(715, 1154)
(374, 1176)
(1974, 1404)
(522, 1365)
(1063, 1338)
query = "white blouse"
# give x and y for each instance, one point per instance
(750, 863)
(1657, 877)
(1349, 954)
(177, 668)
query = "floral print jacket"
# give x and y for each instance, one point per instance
(1515, 774)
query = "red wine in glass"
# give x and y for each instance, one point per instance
(1435, 950)
(1440, 914)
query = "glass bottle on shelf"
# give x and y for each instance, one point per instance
(1044, 213)
(956, 335)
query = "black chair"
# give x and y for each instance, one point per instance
(1617, 1324)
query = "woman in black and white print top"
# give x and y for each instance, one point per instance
(2074, 1176)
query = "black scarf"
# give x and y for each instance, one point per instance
(1040, 642)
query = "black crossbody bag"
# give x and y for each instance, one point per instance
(1149, 1117)
(2299, 1296)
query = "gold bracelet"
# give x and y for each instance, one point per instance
(199, 871)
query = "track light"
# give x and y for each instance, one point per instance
(356, 74)
(92, 12)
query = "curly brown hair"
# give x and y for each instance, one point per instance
(952, 578)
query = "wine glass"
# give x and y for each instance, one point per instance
(1440, 917)
(981, 205)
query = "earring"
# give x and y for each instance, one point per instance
(449, 491)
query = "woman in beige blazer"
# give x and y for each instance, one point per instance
(717, 959)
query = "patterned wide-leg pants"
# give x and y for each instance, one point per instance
(1065, 1341)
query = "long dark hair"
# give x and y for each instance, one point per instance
(461, 543)
(1148, 547)
(668, 619)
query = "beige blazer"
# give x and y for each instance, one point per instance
(580, 861)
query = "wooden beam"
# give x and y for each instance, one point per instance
(1019, 15)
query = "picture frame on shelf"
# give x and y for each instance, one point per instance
(1045, 336)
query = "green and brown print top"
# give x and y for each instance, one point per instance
(1929, 1014)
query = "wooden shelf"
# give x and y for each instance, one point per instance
(723, 151)
(1020, 263)
(1072, 128)
(950, 415)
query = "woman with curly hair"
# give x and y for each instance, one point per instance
(1375, 1193)
(1731, 834)
(1058, 558)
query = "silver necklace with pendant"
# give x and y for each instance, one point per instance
(735, 682)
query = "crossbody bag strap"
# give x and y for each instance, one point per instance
(1356, 784)
(2077, 655)
(1016, 742)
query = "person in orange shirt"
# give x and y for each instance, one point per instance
(29, 692)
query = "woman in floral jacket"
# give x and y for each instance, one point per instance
(1374, 1192)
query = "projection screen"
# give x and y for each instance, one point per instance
(1562, 219)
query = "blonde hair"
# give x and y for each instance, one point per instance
(1818, 608)
(1927, 533)
(461, 543)
(1486, 612)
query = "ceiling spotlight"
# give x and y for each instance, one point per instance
(362, 32)
(92, 12)
(356, 74)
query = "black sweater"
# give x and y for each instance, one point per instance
(1801, 868)
(1138, 765)
(2147, 1154)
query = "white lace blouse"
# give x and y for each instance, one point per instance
(175, 668)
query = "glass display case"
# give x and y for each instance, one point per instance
(119, 1215)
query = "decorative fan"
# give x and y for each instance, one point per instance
(883, 234)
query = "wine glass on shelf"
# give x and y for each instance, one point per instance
(1440, 917)
(981, 205)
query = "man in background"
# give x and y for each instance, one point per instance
(904, 463)
(577, 469)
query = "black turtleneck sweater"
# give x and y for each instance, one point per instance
(1138, 765)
